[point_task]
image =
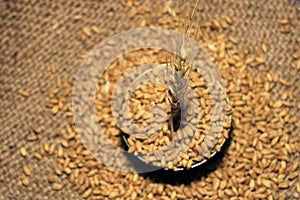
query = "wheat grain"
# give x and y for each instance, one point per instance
(26, 170)
(24, 93)
(259, 163)
(23, 152)
(25, 181)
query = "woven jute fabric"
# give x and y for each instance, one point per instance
(38, 34)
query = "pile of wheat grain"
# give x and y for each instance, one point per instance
(260, 162)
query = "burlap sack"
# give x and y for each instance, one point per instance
(38, 34)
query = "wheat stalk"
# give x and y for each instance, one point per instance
(177, 77)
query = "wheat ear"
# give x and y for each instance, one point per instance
(176, 78)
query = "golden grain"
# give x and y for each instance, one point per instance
(83, 37)
(57, 186)
(296, 55)
(277, 104)
(264, 47)
(285, 29)
(228, 20)
(55, 109)
(26, 170)
(46, 147)
(24, 93)
(25, 181)
(51, 149)
(38, 156)
(32, 137)
(77, 17)
(58, 170)
(233, 40)
(96, 30)
(223, 184)
(52, 178)
(87, 31)
(132, 13)
(64, 143)
(23, 152)
(35, 128)
(284, 21)
(298, 187)
(256, 165)
(284, 185)
(60, 152)
(53, 68)
(252, 184)
(216, 184)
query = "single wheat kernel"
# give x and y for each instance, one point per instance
(58, 170)
(83, 37)
(55, 109)
(298, 187)
(228, 192)
(285, 29)
(97, 192)
(266, 183)
(35, 128)
(87, 31)
(24, 93)
(284, 185)
(96, 30)
(260, 60)
(223, 184)
(67, 170)
(252, 184)
(23, 152)
(92, 172)
(228, 20)
(277, 104)
(57, 186)
(25, 181)
(51, 149)
(284, 21)
(216, 183)
(46, 147)
(296, 55)
(294, 167)
(32, 137)
(292, 176)
(26, 170)
(77, 17)
(53, 68)
(233, 40)
(37, 156)
(132, 13)
(52, 178)
(60, 152)
(143, 23)
(264, 47)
